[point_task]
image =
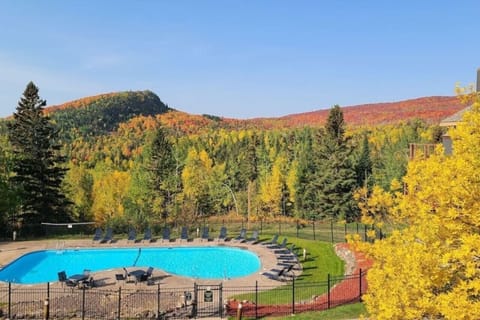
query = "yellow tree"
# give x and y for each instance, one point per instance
(203, 182)
(430, 269)
(271, 188)
(109, 192)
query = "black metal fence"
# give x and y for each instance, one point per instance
(199, 301)
(329, 231)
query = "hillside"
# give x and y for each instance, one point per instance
(103, 113)
(430, 109)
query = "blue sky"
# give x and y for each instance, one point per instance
(240, 59)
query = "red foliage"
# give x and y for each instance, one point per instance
(79, 102)
(430, 109)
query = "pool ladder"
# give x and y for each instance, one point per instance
(60, 247)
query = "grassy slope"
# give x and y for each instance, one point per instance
(321, 260)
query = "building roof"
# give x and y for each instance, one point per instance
(454, 118)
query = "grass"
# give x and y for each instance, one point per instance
(349, 311)
(321, 260)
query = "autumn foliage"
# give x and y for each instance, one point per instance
(429, 268)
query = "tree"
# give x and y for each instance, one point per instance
(109, 193)
(335, 176)
(79, 185)
(364, 164)
(161, 167)
(203, 183)
(38, 166)
(430, 268)
(271, 188)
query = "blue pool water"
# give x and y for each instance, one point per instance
(195, 262)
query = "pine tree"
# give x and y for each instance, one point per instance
(335, 176)
(161, 168)
(364, 165)
(38, 165)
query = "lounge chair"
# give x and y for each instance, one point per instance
(108, 236)
(184, 234)
(98, 235)
(147, 235)
(279, 275)
(205, 234)
(272, 242)
(62, 277)
(147, 275)
(282, 247)
(223, 233)
(241, 236)
(132, 235)
(254, 238)
(166, 234)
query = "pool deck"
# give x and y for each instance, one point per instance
(11, 250)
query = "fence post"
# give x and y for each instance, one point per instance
(360, 287)
(9, 300)
(83, 302)
(46, 304)
(279, 227)
(331, 229)
(195, 300)
(256, 299)
(328, 290)
(119, 302)
(345, 225)
(313, 224)
(220, 300)
(298, 228)
(158, 301)
(293, 295)
(365, 233)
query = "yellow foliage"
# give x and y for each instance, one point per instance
(375, 206)
(109, 192)
(430, 269)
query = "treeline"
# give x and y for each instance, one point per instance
(175, 167)
(255, 173)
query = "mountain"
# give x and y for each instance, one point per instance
(103, 113)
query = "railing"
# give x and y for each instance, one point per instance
(155, 302)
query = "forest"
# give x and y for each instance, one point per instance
(130, 160)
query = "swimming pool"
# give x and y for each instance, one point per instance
(195, 262)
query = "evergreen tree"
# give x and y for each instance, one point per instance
(161, 167)
(38, 165)
(306, 204)
(335, 176)
(364, 165)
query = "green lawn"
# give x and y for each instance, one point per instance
(321, 260)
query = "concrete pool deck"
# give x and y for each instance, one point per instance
(11, 250)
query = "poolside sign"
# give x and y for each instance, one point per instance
(208, 296)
